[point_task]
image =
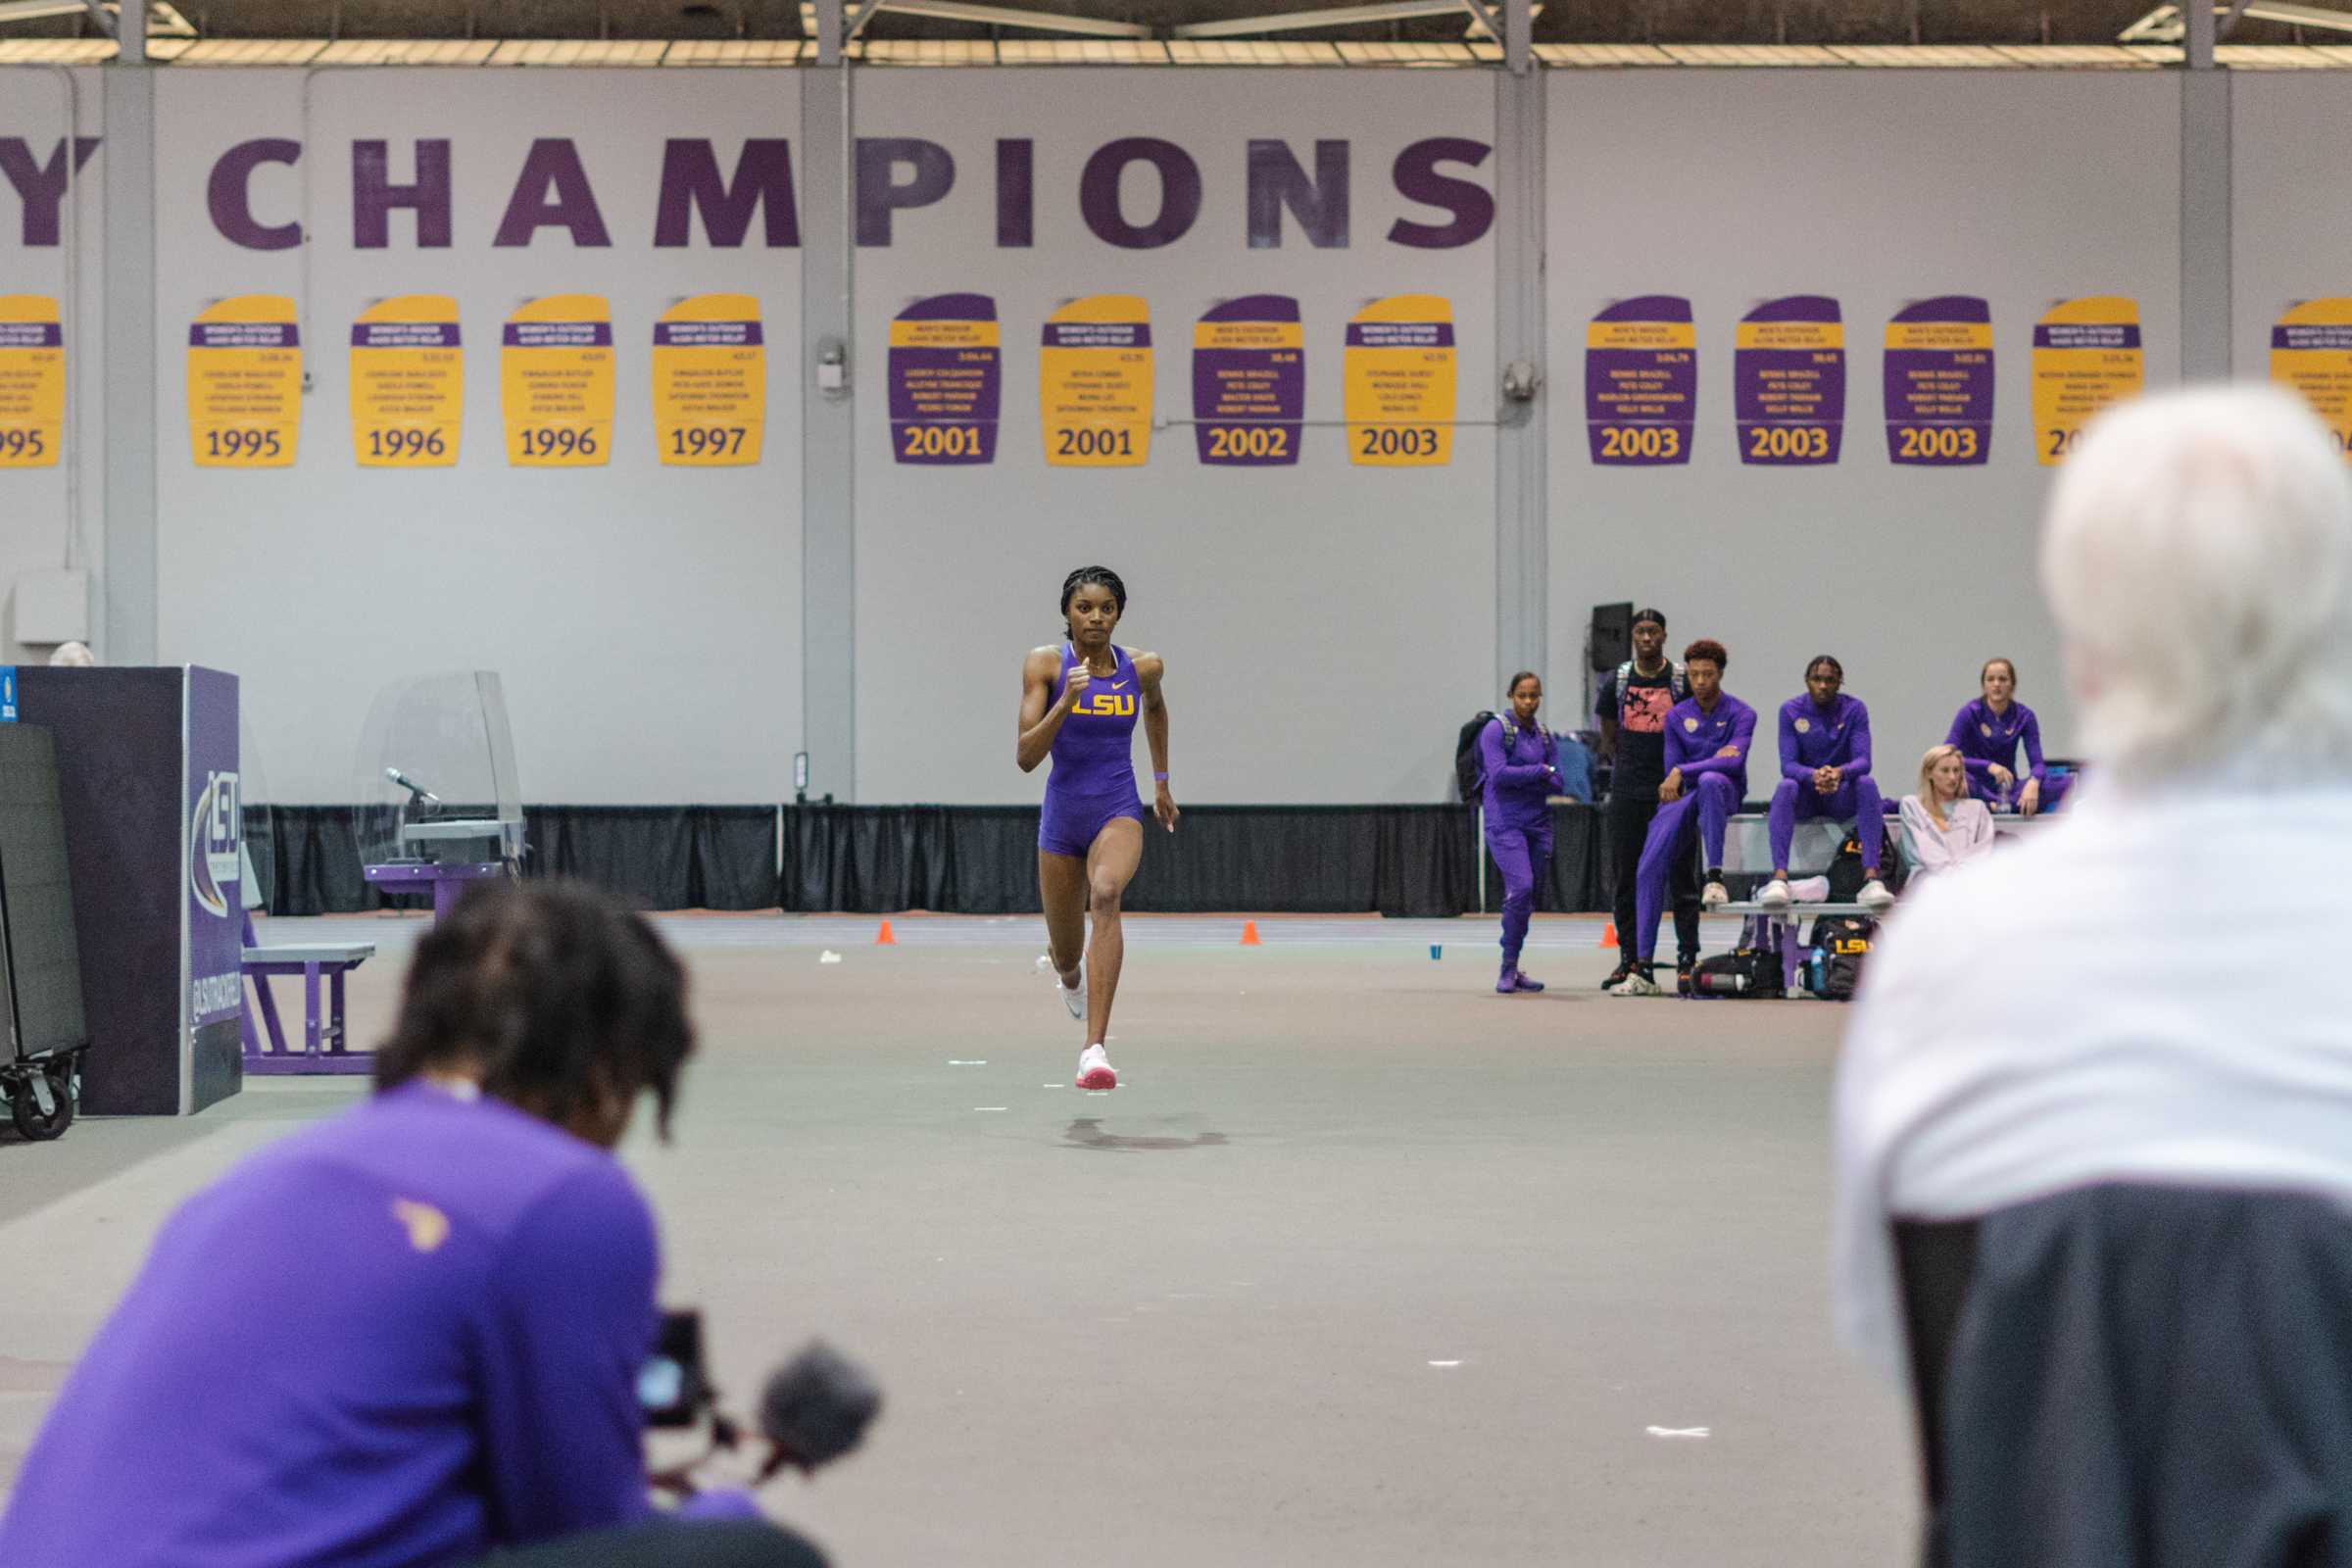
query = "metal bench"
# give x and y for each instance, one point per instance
(324, 1048)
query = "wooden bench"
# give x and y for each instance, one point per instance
(325, 1047)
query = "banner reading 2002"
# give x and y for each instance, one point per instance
(1250, 382)
(33, 381)
(245, 383)
(1399, 379)
(555, 381)
(1094, 383)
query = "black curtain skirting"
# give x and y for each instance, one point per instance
(1418, 861)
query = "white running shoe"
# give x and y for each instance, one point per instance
(1637, 984)
(1714, 895)
(1875, 898)
(1095, 1070)
(1774, 898)
(1075, 997)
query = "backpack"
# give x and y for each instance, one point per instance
(1846, 876)
(1751, 969)
(1832, 967)
(1469, 770)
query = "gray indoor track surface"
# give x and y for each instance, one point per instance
(1361, 1265)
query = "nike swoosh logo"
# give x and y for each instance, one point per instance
(1117, 685)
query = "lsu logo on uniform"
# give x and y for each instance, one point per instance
(1105, 704)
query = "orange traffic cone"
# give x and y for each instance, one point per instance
(1249, 934)
(883, 938)
(1608, 934)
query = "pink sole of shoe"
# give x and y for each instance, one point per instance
(1097, 1078)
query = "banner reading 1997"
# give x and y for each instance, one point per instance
(1094, 383)
(245, 383)
(1789, 381)
(1939, 382)
(1250, 381)
(1397, 374)
(407, 384)
(947, 380)
(554, 381)
(33, 381)
(2310, 351)
(1642, 381)
(2086, 355)
(710, 382)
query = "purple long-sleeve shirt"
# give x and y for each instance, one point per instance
(1811, 738)
(1986, 736)
(405, 1337)
(1521, 778)
(1694, 737)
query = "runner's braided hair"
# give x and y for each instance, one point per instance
(1080, 578)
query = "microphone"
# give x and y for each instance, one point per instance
(816, 1409)
(411, 786)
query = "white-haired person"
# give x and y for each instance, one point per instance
(2137, 1129)
(71, 656)
(1943, 824)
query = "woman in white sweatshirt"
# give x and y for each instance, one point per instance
(1943, 825)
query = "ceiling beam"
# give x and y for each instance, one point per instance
(1326, 16)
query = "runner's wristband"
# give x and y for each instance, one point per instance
(1161, 778)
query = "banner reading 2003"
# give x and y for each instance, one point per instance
(2310, 351)
(407, 384)
(1094, 383)
(2086, 355)
(1939, 382)
(1399, 379)
(555, 381)
(33, 381)
(1789, 381)
(245, 383)
(1642, 381)
(710, 382)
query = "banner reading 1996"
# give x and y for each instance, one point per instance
(1250, 381)
(1789, 381)
(1939, 382)
(1094, 383)
(33, 381)
(245, 383)
(1642, 381)
(555, 382)
(407, 384)
(2310, 351)
(2086, 355)
(1398, 374)
(710, 382)
(947, 377)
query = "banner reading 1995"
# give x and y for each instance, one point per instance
(2086, 355)
(710, 382)
(1939, 382)
(2310, 351)
(554, 381)
(1397, 374)
(947, 377)
(1094, 383)
(33, 381)
(1789, 381)
(1250, 381)
(407, 384)
(245, 383)
(1642, 381)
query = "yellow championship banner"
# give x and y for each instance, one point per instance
(1397, 375)
(1094, 383)
(2086, 355)
(2310, 351)
(245, 383)
(710, 382)
(555, 382)
(407, 384)
(33, 381)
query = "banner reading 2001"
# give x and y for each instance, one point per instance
(2310, 351)
(2086, 355)
(946, 380)
(407, 384)
(33, 381)
(1399, 379)
(1789, 381)
(1094, 383)
(245, 383)
(710, 382)
(555, 381)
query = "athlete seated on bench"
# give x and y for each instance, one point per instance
(1824, 772)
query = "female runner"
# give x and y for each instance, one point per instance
(1079, 703)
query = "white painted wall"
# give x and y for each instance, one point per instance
(2291, 223)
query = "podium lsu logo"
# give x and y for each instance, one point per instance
(213, 834)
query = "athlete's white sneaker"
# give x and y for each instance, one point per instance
(1073, 997)
(1636, 983)
(1714, 895)
(1774, 898)
(1875, 898)
(1094, 1070)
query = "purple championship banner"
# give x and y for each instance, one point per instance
(1788, 382)
(1939, 382)
(1250, 382)
(1642, 381)
(947, 380)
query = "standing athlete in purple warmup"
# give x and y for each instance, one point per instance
(1824, 772)
(1708, 735)
(1989, 732)
(1078, 705)
(1520, 765)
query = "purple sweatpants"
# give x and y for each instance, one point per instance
(1857, 801)
(2054, 790)
(1521, 854)
(1707, 805)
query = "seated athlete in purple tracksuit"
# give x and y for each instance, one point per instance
(1824, 772)
(1708, 736)
(1079, 703)
(1989, 732)
(1520, 765)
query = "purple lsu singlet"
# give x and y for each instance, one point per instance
(1093, 751)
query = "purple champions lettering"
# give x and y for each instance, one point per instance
(1277, 182)
(1642, 381)
(42, 188)
(1788, 382)
(553, 192)
(1179, 193)
(1418, 180)
(228, 192)
(931, 174)
(946, 377)
(374, 195)
(691, 183)
(1938, 383)
(1250, 382)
